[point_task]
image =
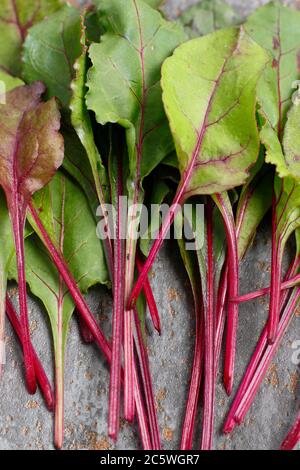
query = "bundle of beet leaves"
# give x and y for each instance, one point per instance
(113, 100)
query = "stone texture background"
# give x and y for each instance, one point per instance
(25, 423)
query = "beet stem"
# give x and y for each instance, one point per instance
(150, 298)
(209, 340)
(167, 222)
(274, 308)
(233, 289)
(197, 373)
(256, 357)
(117, 321)
(148, 387)
(41, 376)
(18, 222)
(88, 317)
(266, 359)
(293, 282)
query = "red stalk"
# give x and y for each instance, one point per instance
(117, 322)
(209, 340)
(256, 357)
(40, 373)
(221, 316)
(292, 281)
(197, 371)
(18, 214)
(90, 321)
(149, 298)
(59, 375)
(274, 310)
(167, 222)
(233, 289)
(252, 387)
(148, 387)
(293, 436)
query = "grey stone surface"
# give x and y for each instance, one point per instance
(25, 423)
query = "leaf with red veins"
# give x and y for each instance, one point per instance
(16, 17)
(124, 88)
(210, 103)
(31, 150)
(276, 28)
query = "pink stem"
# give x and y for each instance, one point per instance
(148, 387)
(293, 436)
(90, 321)
(233, 289)
(266, 360)
(149, 298)
(254, 295)
(256, 357)
(197, 372)
(18, 220)
(209, 341)
(221, 316)
(40, 373)
(274, 310)
(169, 219)
(117, 322)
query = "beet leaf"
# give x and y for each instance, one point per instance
(131, 53)
(276, 27)
(17, 16)
(56, 203)
(68, 52)
(31, 152)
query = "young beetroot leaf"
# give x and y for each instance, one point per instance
(276, 27)
(132, 98)
(89, 319)
(56, 203)
(16, 18)
(206, 165)
(31, 151)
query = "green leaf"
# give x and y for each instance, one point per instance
(50, 51)
(62, 203)
(291, 142)
(276, 27)
(131, 54)
(208, 16)
(16, 17)
(287, 192)
(8, 82)
(75, 162)
(81, 122)
(64, 211)
(209, 95)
